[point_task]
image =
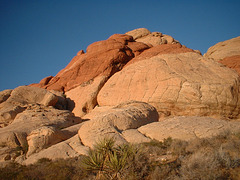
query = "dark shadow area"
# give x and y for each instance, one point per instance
(70, 104)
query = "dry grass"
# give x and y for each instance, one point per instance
(215, 158)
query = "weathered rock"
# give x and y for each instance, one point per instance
(134, 136)
(187, 128)
(232, 62)
(224, 49)
(4, 95)
(62, 102)
(160, 49)
(23, 95)
(45, 80)
(83, 99)
(227, 53)
(44, 137)
(8, 112)
(176, 84)
(102, 58)
(137, 47)
(111, 122)
(32, 118)
(138, 33)
(20, 98)
(154, 39)
(66, 149)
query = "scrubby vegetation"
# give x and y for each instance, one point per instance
(215, 158)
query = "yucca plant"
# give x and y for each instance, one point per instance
(107, 159)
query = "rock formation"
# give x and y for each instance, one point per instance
(176, 84)
(224, 49)
(135, 87)
(101, 61)
(17, 101)
(154, 38)
(188, 128)
(112, 121)
(227, 53)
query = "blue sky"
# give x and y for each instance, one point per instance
(40, 37)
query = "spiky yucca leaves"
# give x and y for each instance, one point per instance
(109, 160)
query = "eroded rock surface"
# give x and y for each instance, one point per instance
(102, 58)
(224, 49)
(32, 118)
(232, 62)
(154, 38)
(4, 95)
(187, 128)
(112, 122)
(18, 100)
(66, 149)
(82, 99)
(44, 137)
(227, 53)
(176, 84)
(120, 88)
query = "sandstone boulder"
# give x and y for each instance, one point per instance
(102, 58)
(188, 128)
(138, 33)
(66, 149)
(232, 62)
(176, 84)
(160, 49)
(8, 112)
(23, 95)
(82, 99)
(44, 137)
(138, 47)
(224, 49)
(154, 39)
(113, 121)
(227, 53)
(20, 98)
(134, 136)
(4, 95)
(32, 118)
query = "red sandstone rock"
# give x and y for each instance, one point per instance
(161, 49)
(45, 80)
(232, 62)
(138, 47)
(102, 58)
(227, 53)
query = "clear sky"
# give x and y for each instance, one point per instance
(40, 37)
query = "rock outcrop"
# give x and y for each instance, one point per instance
(227, 53)
(188, 128)
(82, 99)
(102, 58)
(32, 118)
(43, 137)
(224, 49)
(123, 87)
(66, 149)
(154, 38)
(4, 95)
(18, 99)
(176, 84)
(112, 121)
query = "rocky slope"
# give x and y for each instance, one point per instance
(134, 87)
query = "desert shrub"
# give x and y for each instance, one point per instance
(212, 158)
(108, 160)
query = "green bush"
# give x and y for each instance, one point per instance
(109, 160)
